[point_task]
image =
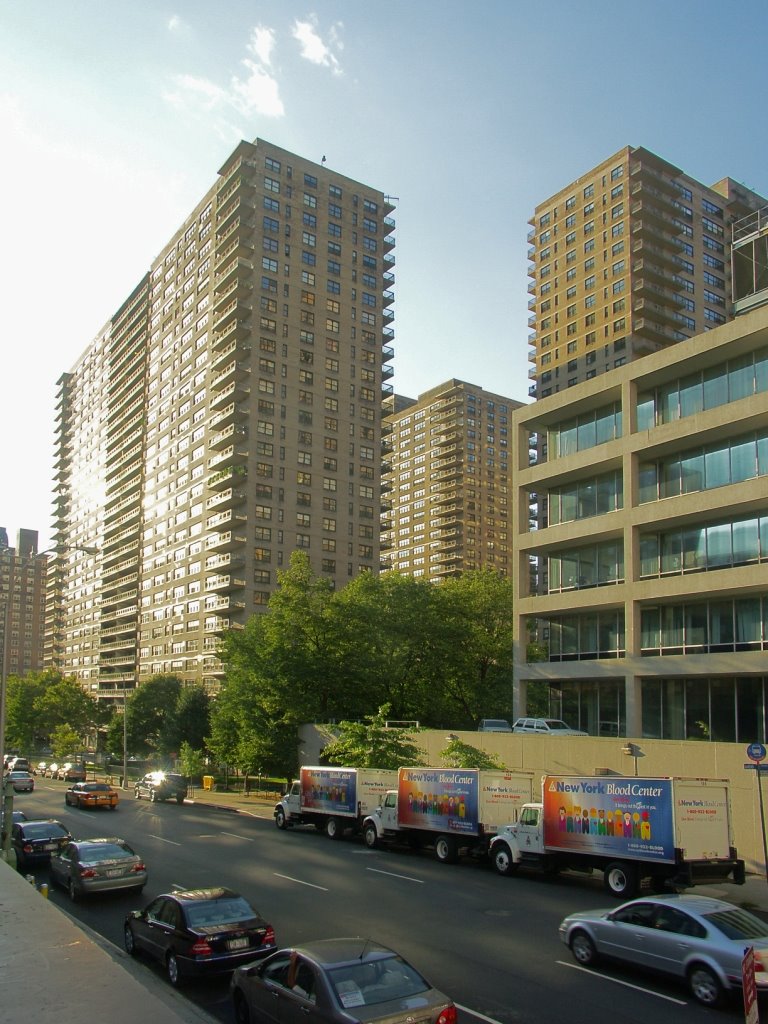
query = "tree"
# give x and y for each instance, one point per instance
(463, 755)
(190, 722)
(64, 740)
(38, 703)
(150, 722)
(192, 761)
(372, 744)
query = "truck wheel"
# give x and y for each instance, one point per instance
(502, 859)
(370, 837)
(446, 849)
(280, 818)
(620, 880)
(334, 829)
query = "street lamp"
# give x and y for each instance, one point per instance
(634, 751)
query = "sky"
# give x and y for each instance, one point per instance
(115, 117)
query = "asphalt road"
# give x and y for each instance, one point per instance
(490, 942)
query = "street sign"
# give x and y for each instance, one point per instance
(761, 769)
(751, 1011)
(756, 752)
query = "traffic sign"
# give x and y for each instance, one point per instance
(756, 752)
(761, 769)
(749, 988)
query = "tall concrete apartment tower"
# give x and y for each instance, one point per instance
(229, 413)
(628, 259)
(22, 604)
(449, 482)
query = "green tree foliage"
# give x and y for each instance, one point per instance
(371, 744)
(64, 741)
(40, 702)
(150, 722)
(192, 761)
(191, 719)
(464, 755)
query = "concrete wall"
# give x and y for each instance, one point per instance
(582, 755)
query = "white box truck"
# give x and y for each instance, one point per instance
(675, 832)
(450, 809)
(332, 799)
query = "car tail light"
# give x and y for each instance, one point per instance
(87, 873)
(759, 965)
(448, 1015)
(269, 936)
(200, 948)
(28, 848)
(139, 867)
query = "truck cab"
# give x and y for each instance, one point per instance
(288, 808)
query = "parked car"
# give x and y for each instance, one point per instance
(40, 768)
(52, 771)
(18, 764)
(92, 794)
(696, 938)
(35, 841)
(199, 932)
(22, 782)
(161, 786)
(87, 866)
(337, 980)
(546, 727)
(72, 772)
(494, 725)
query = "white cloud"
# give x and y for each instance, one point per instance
(258, 93)
(314, 49)
(175, 24)
(262, 43)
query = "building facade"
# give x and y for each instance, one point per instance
(654, 611)
(628, 259)
(228, 414)
(22, 604)
(448, 478)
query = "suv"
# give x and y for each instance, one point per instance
(494, 725)
(161, 786)
(546, 727)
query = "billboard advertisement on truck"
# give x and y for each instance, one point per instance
(619, 817)
(343, 791)
(438, 799)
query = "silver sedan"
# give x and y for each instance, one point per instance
(98, 865)
(696, 938)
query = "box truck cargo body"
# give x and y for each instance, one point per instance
(333, 799)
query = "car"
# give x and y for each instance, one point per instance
(337, 980)
(199, 932)
(18, 764)
(72, 772)
(161, 786)
(494, 725)
(40, 767)
(92, 794)
(87, 866)
(52, 771)
(697, 938)
(35, 841)
(546, 727)
(22, 782)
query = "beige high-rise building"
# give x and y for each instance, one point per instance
(228, 414)
(22, 604)
(449, 481)
(628, 259)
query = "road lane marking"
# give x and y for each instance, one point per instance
(163, 840)
(626, 984)
(234, 835)
(476, 1013)
(298, 881)
(392, 874)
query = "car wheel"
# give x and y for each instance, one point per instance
(129, 941)
(74, 894)
(502, 859)
(583, 949)
(280, 820)
(334, 828)
(370, 837)
(66, 799)
(179, 799)
(705, 986)
(242, 1013)
(446, 849)
(620, 880)
(113, 807)
(172, 969)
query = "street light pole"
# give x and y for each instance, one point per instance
(125, 738)
(6, 790)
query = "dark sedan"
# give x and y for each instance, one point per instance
(35, 841)
(340, 980)
(98, 865)
(199, 932)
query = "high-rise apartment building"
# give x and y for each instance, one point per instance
(628, 259)
(228, 414)
(22, 604)
(448, 474)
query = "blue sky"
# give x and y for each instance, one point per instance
(115, 117)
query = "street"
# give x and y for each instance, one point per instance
(491, 943)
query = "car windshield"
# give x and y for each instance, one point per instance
(44, 830)
(737, 924)
(378, 981)
(104, 851)
(228, 910)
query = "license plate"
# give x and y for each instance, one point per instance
(114, 873)
(50, 846)
(237, 944)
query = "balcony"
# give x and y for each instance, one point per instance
(226, 436)
(237, 267)
(228, 457)
(235, 329)
(233, 349)
(230, 414)
(225, 499)
(236, 310)
(227, 541)
(233, 392)
(226, 477)
(387, 298)
(220, 584)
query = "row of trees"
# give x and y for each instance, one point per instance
(437, 655)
